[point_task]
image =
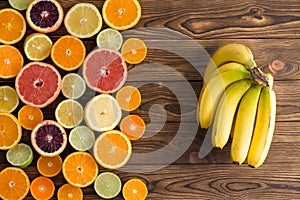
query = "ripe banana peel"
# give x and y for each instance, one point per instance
(237, 99)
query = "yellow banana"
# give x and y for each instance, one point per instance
(212, 93)
(264, 128)
(226, 110)
(244, 124)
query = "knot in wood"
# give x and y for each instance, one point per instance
(257, 13)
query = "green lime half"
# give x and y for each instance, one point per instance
(81, 138)
(19, 4)
(107, 185)
(110, 38)
(73, 86)
(20, 156)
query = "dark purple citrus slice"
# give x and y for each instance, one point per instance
(38, 84)
(104, 70)
(49, 138)
(44, 15)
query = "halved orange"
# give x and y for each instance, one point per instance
(121, 14)
(133, 126)
(12, 26)
(80, 169)
(68, 52)
(14, 183)
(69, 192)
(129, 98)
(134, 50)
(135, 189)
(112, 149)
(11, 61)
(29, 117)
(49, 166)
(10, 131)
(42, 188)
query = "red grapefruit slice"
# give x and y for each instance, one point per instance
(38, 84)
(104, 70)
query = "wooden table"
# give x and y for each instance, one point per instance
(271, 29)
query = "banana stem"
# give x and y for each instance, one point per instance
(261, 78)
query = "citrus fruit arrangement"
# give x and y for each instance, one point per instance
(44, 73)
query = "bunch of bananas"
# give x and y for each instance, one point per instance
(237, 99)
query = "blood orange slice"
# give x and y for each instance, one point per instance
(49, 138)
(38, 84)
(104, 70)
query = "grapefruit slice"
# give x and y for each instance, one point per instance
(49, 138)
(105, 70)
(38, 84)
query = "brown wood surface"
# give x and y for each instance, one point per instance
(271, 29)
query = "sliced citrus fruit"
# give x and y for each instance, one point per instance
(37, 46)
(80, 169)
(29, 117)
(69, 192)
(133, 126)
(9, 99)
(81, 138)
(102, 113)
(19, 4)
(73, 86)
(83, 20)
(121, 14)
(49, 166)
(112, 149)
(49, 138)
(129, 98)
(14, 183)
(104, 70)
(44, 16)
(38, 84)
(109, 39)
(68, 52)
(107, 185)
(69, 113)
(11, 61)
(20, 155)
(42, 188)
(134, 50)
(135, 189)
(12, 26)
(10, 131)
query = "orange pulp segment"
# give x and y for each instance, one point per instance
(49, 166)
(30, 116)
(133, 126)
(129, 98)
(134, 51)
(42, 188)
(11, 61)
(135, 189)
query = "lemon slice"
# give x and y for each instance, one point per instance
(20, 156)
(9, 99)
(109, 38)
(102, 113)
(37, 46)
(83, 20)
(81, 138)
(69, 113)
(73, 86)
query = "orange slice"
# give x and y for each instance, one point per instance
(135, 189)
(129, 98)
(112, 149)
(69, 192)
(133, 126)
(68, 52)
(30, 116)
(134, 51)
(80, 169)
(49, 166)
(12, 26)
(42, 188)
(121, 14)
(11, 61)
(10, 131)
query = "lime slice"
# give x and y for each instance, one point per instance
(109, 38)
(107, 185)
(20, 156)
(9, 99)
(69, 113)
(73, 86)
(81, 138)
(19, 4)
